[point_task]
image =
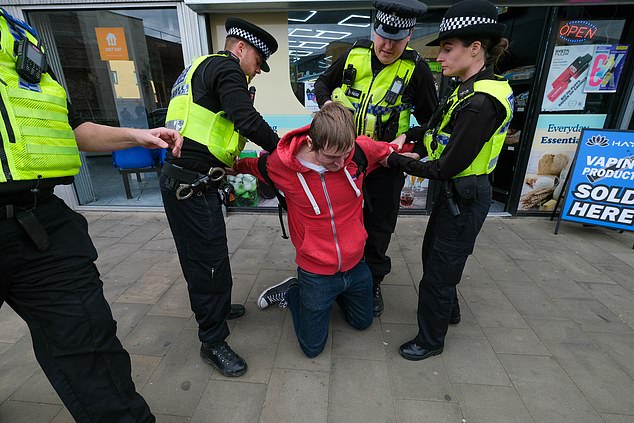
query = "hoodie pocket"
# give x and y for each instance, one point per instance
(352, 236)
(319, 245)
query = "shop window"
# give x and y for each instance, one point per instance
(586, 76)
(315, 40)
(118, 67)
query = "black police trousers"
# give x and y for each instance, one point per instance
(199, 231)
(448, 241)
(383, 188)
(60, 296)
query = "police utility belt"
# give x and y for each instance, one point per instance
(465, 188)
(188, 182)
(23, 212)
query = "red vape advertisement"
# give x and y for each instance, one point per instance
(567, 78)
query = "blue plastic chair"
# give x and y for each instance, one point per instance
(136, 160)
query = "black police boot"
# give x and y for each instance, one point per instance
(412, 351)
(237, 310)
(377, 308)
(455, 315)
(221, 356)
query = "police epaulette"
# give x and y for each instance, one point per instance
(466, 89)
(363, 43)
(410, 55)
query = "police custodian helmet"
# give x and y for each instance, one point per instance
(469, 18)
(395, 18)
(262, 41)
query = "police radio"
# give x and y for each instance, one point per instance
(31, 62)
(395, 90)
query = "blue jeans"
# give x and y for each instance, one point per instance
(310, 303)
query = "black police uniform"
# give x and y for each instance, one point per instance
(383, 186)
(450, 239)
(60, 296)
(197, 223)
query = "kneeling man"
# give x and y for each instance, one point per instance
(321, 177)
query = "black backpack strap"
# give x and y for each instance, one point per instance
(281, 201)
(361, 160)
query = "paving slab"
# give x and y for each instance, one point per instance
(592, 316)
(27, 412)
(36, 389)
(559, 330)
(218, 402)
(602, 381)
(12, 327)
(410, 411)
(547, 391)
(358, 391)
(414, 380)
(473, 361)
(492, 308)
(154, 335)
(619, 347)
(180, 379)
(515, 341)
(400, 304)
(296, 396)
(491, 404)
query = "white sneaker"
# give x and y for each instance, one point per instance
(276, 293)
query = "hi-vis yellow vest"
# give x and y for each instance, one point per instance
(486, 160)
(37, 141)
(368, 93)
(200, 124)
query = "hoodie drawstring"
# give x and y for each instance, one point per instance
(308, 193)
(354, 186)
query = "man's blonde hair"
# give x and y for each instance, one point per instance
(333, 127)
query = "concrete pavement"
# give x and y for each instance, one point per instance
(547, 333)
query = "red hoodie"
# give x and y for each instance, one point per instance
(325, 211)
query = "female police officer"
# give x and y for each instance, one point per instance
(463, 141)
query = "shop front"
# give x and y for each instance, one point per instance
(570, 67)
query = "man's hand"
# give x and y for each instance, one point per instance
(159, 138)
(399, 142)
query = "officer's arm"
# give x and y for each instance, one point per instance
(236, 102)
(329, 80)
(475, 124)
(101, 138)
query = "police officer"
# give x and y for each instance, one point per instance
(384, 81)
(212, 108)
(463, 140)
(47, 271)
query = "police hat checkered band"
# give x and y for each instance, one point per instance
(395, 21)
(252, 39)
(451, 24)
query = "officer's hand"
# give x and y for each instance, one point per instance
(399, 141)
(411, 155)
(159, 138)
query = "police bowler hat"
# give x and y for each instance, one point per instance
(261, 40)
(469, 18)
(395, 18)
